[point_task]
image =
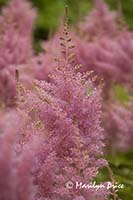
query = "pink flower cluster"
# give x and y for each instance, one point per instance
(16, 51)
(103, 44)
(19, 141)
(99, 22)
(68, 111)
(120, 128)
(53, 132)
(109, 53)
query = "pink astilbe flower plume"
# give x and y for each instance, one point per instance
(118, 124)
(69, 110)
(108, 58)
(19, 140)
(100, 21)
(17, 22)
(16, 51)
(109, 54)
(15, 164)
(102, 47)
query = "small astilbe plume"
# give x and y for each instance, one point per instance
(120, 127)
(16, 22)
(15, 162)
(69, 111)
(99, 22)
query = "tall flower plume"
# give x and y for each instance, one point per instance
(69, 111)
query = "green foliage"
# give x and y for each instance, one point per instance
(122, 167)
(121, 94)
(2, 2)
(51, 12)
(127, 9)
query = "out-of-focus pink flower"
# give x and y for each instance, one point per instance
(105, 46)
(44, 64)
(109, 53)
(120, 127)
(100, 21)
(109, 58)
(19, 140)
(16, 51)
(15, 181)
(17, 22)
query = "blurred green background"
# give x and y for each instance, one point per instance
(51, 11)
(49, 14)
